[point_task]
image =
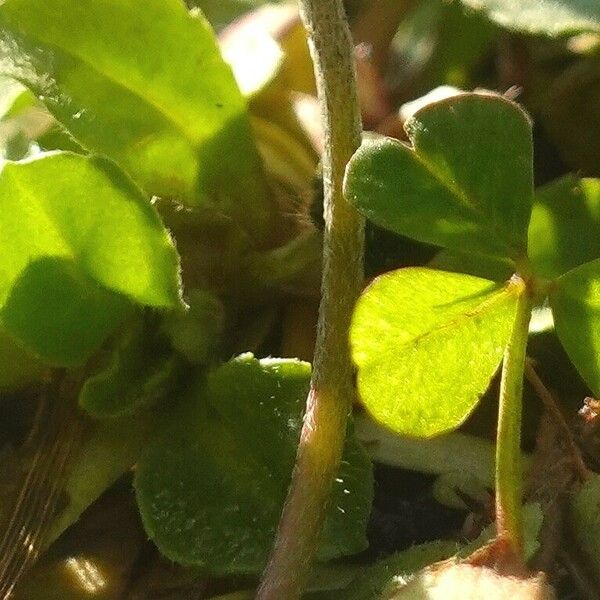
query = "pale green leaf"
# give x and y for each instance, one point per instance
(80, 242)
(426, 344)
(143, 82)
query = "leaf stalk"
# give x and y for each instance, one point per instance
(509, 469)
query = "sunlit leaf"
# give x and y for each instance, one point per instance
(426, 344)
(211, 490)
(575, 304)
(80, 242)
(143, 82)
(466, 184)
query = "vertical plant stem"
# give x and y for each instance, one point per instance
(330, 398)
(508, 445)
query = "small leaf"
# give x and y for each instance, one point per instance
(196, 332)
(79, 242)
(575, 305)
(210, 491)
(565, 222)
(426, 344)
(554, 18)
(138, 374)
(143, 83)
(466, 184)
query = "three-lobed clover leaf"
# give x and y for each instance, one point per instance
(466, 184)
(210, 491)
(426, 344)
(142, 82)
(81, 243)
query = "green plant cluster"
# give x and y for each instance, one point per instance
(157, 252)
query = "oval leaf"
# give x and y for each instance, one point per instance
(575, 303)
(565, 222)
(426, 344)
(210, 491)
(143, 82)
(466, 184)
(79, 239)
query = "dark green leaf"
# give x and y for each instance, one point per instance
(138, 373)
(479, 265)
(565, 226)
(143, 82)
(548, 17)
(575, 304)
(426, 344)
(466, 184)
(79, 241)
(211, 491)
(17, 367)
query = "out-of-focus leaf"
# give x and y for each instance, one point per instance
(138, 374)
(565, 226)
(466, 184)
(196, 332)
(575, 304)
(70, 266)
(426, 344)
(142, 82)
(546, 17)
(210, 490)
(585, 521)
(18, 368)
(570, 113)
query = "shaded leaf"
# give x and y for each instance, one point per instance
(575, 303)
(142, 82)
(565, 222)
(548, 17)
(426, 344)
(211, 491)
(18, 368)
(479, 265)
(138, 374)
(466, 184)
(79, 241)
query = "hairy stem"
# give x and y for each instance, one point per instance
(330, 398)
(508, 445)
